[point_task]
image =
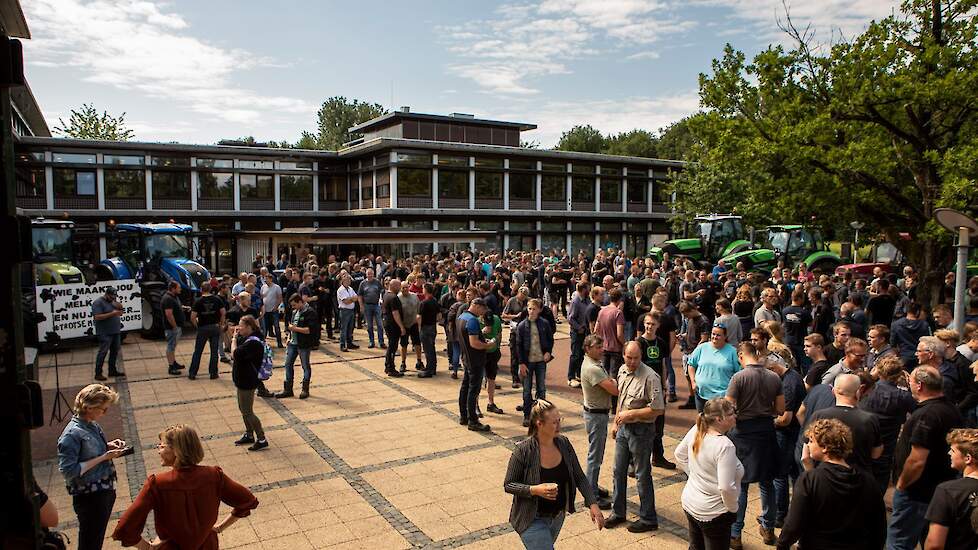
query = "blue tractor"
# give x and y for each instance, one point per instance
(154, 254)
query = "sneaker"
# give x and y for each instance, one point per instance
(394, 374)
(383, 345)
(688, 405)
(259, 445)
(344, 350)
(371, 346)
(516, 385)
(613, 521)
(100, 377)
(736, 544)
(225, 359)
(673, 398)
(462, 421)
(419, 366)
(425, 374)
(493, 408)
(479, 427)
(604, 504)
(767, 535)
(354, 346)
(603, 493)
(642, 527)
(179, 366)
(403, 368)
(244, 440)
(454, 375)
(662, 462)
(214, 376)
(519, 408)
(574, 383)
(173, 370)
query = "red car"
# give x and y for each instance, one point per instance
(884, 256)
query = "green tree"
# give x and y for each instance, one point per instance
(880, 129)
(636, 143)
(677, 139)
(334, 119)
(582, 139)
(87, 123)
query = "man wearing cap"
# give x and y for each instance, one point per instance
(107, 317)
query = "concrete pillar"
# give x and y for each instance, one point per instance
(48, 181)
(100, 182)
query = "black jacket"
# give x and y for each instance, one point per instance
(247, 360)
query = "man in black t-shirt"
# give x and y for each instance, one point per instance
(867, 445)
(953, 512)
(654, 351)
(797, 320)
(393, 325)
(173, 319)
(208, 316)
(428, 311)
(920, 460)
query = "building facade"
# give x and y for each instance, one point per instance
(409, 170)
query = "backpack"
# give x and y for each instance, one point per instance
(267, 359)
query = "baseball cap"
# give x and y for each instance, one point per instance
(111, 291)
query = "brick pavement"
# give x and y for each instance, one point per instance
(365, 462)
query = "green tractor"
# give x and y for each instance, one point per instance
(791, 243)
(717, 236)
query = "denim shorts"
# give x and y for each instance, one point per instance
(172, 337)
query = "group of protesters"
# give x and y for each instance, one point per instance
(823, 389)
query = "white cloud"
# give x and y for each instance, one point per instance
(643, 56)
(136, 46)
(608, 116)
(527, 41)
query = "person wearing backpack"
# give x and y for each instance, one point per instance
(248, 351)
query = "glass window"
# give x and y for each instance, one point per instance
(518, 164)
(610, 226)
(582, 226)
(610, 190)
(523, 187)
(215, 163)
(367, 187)
(582, 189)
(413, 182)
(582, 242)
(637, 171)
(551, 241)
(660, 192)
(297, 188)
(414, 224)
(256, 164)
(553, 167)
(74, 183)
(582, 169)
(171, 161)
(449, 160)
(171, 185)
(215, 185)
(636, 190)
(523, 226)
(30, 183)
(553, 226)
(125, 160)
(453, 184)
(483, 162)
(121, 184)
(333, 188)
(553, 188)
(452, 226)
(290, 165)
(74, 158)
(33, 156)
(254, 186)
(610, 171)
(414, 158)
(488, 185)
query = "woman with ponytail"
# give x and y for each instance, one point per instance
(710, 460)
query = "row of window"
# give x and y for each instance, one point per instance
(176, 162)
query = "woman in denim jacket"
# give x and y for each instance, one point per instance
(85, 460)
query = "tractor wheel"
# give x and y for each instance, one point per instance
(152, 312)
(827, 266)
(671, 248)
(103, 273)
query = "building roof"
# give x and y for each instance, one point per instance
(372, 235)
(25, 103)
(221, 150)
(12, 20)
(394, 117)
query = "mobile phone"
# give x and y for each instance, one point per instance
(127, 451)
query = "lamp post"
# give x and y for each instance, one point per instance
(965, 227)
(855, 241)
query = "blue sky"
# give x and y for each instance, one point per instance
(199, 71)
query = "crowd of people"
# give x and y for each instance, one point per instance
(820, 388)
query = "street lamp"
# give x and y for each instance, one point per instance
(965, 227)
(855, 241)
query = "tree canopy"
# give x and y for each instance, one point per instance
(334, 119)
(86, 123)
(882, 128)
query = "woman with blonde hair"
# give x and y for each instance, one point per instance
(743, 308)
(544, 477)
(776, 345)
(85, 461)
(184, 500)
(709, 458)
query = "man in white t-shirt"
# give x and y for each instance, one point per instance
(346, 299)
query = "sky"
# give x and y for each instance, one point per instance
(203, 70)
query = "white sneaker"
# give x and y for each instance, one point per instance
(574, 383)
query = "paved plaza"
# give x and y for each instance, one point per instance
(366, 462)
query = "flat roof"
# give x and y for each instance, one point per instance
(371, 235)
(393, 117)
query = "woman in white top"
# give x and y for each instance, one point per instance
(710, 460)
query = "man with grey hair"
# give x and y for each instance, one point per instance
(867, 443)
(930, 353)
(920, 460)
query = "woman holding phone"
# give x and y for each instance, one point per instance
(85, 461)
(544, 477)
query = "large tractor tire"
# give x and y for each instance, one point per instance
(827, 266)
(103, 273)
(152, 313)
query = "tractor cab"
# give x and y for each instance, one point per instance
(53, 251)
(792, 242)
(710, 238)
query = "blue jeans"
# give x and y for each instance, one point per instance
(205, 334)
(787, 469)
(576, 355)
(371, 313)
(346, 327)
(538, 371)
(633, 444)
(291, 352)
(428, 333)
(908, 527)
(596, 425)
(670, 374)
(768, 509)
(270, 325)
(108, 344)
(542, 533)
(454, 356)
